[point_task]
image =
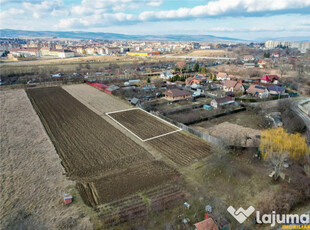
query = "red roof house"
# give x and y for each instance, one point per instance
(231, 86)
(207, 224)
(269, 78)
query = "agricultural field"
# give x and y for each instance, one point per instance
(95, 99)
(183, 149)
(180, 147)
(211, 53)
(128, 181)
(81, 137)
(142, 124)
(106, 164)
(31, 177)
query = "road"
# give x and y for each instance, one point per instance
(198, 57)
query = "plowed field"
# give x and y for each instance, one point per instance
(106, 163)
(142, 124)
(181, 148)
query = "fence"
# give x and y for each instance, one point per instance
(99, 86)
(215, 116)
(195, 132)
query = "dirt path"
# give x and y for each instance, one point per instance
(32, 180)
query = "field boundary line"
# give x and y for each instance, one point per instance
(148, 139)
(125, 127)
(165, 134)
(159, 118)
(119, 111)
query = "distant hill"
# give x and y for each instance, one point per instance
(287, 39)
(111, 36)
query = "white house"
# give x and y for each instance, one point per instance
(166, 75)
(66, 54)
(217, 102)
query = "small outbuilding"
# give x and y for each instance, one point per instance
(134, 101)
(67, 198)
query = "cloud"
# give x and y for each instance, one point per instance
(225, 7)
(12, 12)
(88, 7)
(96, 20)
(44, 7)
(100, 11)
(155, 3)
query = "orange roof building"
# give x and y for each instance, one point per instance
(207, 224)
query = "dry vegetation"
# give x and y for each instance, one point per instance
(107, 165)
(95, 99)
(32, 180)
(211, 53)
(233, 134)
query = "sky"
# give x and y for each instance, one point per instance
(244, 19)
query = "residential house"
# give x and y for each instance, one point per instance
(166, 75)
(58, 47)
(270, 79)
(176, 94)
(65, 53)
(45, 51)
(247, 58)
(25, 52)
(217, 102)
(54, 52)
(188, 80)
(261, 64)
(100, 50)
(233, 86)
(80, 50)
(197, 79)
(112, 50)
(258, 91)
(207, 224)
(222, 76)
(90, 50)
(275, 55)
(275, 90)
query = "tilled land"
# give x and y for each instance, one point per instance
(93, 152)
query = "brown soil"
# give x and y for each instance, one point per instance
(31, 177)
(142, 124)
(181, 148)
(106, 163)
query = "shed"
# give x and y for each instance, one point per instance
(207, 107)
(112, 88)
(187, 205)
(134, 101)
(208, 207)
(67, 198)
